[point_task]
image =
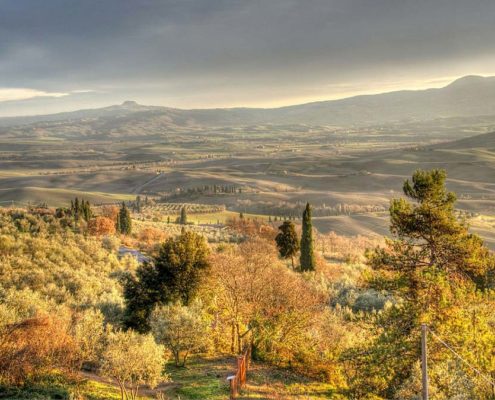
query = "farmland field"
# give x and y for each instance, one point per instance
(348, 175)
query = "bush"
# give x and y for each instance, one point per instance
(133, 360)
(100, 226)
(34, 347)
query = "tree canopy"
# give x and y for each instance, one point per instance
(440, 274)
(174, 274)
(287, 241)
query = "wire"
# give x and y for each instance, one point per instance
(481, 374)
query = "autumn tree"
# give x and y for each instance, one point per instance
(287, 241)
(264, 303)
(110, 211)
(150, 235)
(307, 252)
(101, 226)
(35, 346)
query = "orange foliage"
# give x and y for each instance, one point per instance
(33, 347)
(150, 235)
(110, 212)
(252, 228)
(100, 226)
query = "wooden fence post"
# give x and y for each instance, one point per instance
(237, 381)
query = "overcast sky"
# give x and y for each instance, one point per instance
(58, 55)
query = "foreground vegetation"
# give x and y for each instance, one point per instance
(78, 320)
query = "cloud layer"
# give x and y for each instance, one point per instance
(193, 53)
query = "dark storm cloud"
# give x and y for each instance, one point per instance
(228, 51)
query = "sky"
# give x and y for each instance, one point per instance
(60, 55)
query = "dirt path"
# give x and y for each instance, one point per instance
(164, 387)
(139, 188)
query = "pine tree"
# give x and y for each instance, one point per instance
(138, 204)
(241, 215)
(439, 272)
(307, 252)
(183, 216)
(287, 241)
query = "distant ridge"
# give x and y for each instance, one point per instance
(485, 141)
(465, 97)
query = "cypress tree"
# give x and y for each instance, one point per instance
(307, 252)
(183, 216)
(86, 210)
(76, 209)
(124, 222)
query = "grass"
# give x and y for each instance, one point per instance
(56, 386)
(265, 382)
(204, 378)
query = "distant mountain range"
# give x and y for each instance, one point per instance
(466, 97)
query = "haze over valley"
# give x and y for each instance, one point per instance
(353, 152)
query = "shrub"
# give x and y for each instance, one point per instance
(30, 348)
(133, 360)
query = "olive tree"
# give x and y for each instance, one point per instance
(182, 329)
(132, 360)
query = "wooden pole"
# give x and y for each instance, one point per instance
(424, 361)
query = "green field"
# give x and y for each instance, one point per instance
(203, 379)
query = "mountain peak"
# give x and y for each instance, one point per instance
(129, 103)
(467, 81)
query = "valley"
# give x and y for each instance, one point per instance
(348, 174)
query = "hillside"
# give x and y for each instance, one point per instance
(466, 97)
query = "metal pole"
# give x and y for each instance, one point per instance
(424, 361)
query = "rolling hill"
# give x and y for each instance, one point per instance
(466, 97)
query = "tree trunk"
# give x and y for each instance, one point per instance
(176, 358)
(232, 339)
(185, 359)
(239, 338)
